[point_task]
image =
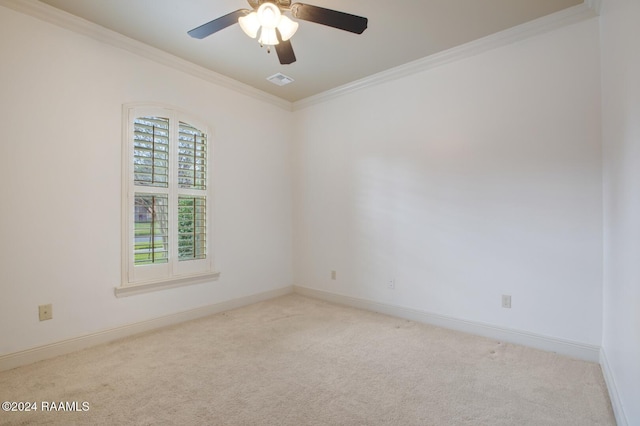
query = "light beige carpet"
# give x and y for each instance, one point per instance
(300, 361)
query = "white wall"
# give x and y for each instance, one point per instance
(60, 152)
(464, 182)
(620, 34)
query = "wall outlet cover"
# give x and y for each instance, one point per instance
(506, 301)
(45, 312)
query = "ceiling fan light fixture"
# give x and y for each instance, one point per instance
(268, 37)
(269, 15)
(266, 20)
(250, 24)
(266, 17)
(287, 28)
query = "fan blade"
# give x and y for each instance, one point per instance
(218, 24)
(285, 51)
(331, 18)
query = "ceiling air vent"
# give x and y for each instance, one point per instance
(280, 79)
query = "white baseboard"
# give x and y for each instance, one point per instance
(574, 349)
(616, 404)
(564, 347)
(40, 353)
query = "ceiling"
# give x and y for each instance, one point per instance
(399, 31)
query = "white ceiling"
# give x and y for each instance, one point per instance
(399, 31)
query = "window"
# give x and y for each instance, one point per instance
(167, 200)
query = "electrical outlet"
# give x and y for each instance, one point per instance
(391, 284)
(506, 301)
(333, 275)
(45, 312)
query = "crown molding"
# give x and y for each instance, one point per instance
(587, 10)
(78, 25)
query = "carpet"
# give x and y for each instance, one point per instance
(300, 361)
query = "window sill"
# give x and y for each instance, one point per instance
(147, 287)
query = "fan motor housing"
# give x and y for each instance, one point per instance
(280, 3)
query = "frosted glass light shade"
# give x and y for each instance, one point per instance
(287, 28)
(266, 20)
(250, 24)
(268, 37)
(269, 15)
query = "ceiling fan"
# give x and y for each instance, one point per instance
(275, 28)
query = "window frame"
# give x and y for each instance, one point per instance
(137, 279)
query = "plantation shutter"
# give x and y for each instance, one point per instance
(192, 157)
(168, 211)
(151, 235)
(151, 151)
(192, 234)
(192, 182)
